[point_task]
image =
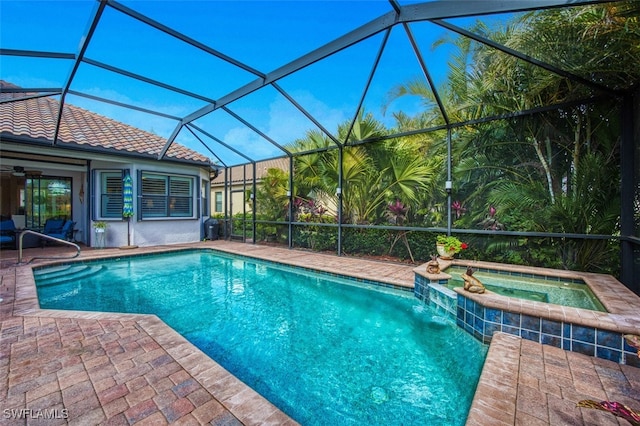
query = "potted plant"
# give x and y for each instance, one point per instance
(100, 226)
(448, 246)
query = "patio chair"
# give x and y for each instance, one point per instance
(64, 232)
(8, 233)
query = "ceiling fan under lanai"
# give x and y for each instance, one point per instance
(19, 171)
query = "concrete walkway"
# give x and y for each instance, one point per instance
(62, 367)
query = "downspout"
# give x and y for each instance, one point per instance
(90, 204)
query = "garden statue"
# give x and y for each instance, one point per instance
(433, 267)
(471, 283)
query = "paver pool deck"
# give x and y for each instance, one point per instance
(96, 368)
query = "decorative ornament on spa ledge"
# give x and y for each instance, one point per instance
(448, 246)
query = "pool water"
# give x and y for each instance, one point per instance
(324, 350)
(537, 288)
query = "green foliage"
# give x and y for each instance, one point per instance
(549, 171)
(369, 241)
(318, 238)
(451, 243)
(271, 195)
(372, 175)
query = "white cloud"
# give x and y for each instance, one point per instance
(284, 124)
(250, 143)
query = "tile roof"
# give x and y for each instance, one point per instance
(237, 172)
(35, 118)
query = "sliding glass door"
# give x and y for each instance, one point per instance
(47, 197)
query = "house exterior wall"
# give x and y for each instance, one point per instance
(153, 231)
(85, 189)
(237, 199)
(242, 181)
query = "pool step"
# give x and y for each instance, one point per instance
(70, 273)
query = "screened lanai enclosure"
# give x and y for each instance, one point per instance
(371, 127)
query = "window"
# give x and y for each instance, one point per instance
(218, 201)
(111, 194)
(166, 196)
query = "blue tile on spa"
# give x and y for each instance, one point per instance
(551, 327)
(511, 319)
(610, 354)
(583, 348)
(530, 335)
(490, 328)
(462, 301)
(470, 305)
(479, 310)
(493, 315)
(583, 334)
(511, 330)
(530, 323)
(468, 319)
(609, 339)
(478, 324)
(551, 340)
(478, 335)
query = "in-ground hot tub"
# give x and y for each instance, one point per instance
(594, 327)
(564, 291)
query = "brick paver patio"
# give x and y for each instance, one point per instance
(65, 367)
(83, 368)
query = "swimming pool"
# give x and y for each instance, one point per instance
(556, 290)
(325, 350)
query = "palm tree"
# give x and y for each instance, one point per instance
(539, 169)
(373, 174)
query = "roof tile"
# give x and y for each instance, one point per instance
(36, 118)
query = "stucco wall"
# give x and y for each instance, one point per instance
(86, 194)
(153, 232)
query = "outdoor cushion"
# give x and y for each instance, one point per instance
(7, 226)
(65, 233)
(7, 231)
(53, 226)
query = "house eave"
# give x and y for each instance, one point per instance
(74, 147)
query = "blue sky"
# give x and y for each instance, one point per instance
(261, 34)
